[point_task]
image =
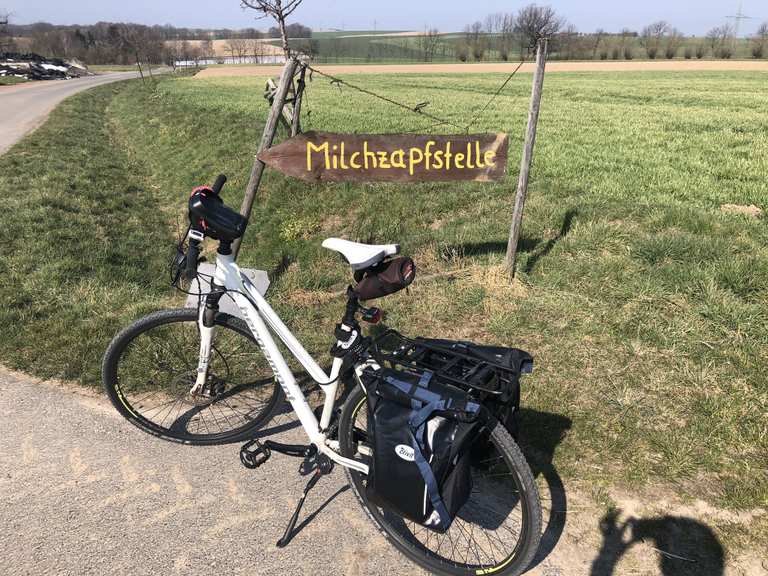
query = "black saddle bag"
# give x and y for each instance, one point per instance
(422, 431)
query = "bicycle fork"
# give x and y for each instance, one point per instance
(206, 327)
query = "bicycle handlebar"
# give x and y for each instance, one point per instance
(219, 184)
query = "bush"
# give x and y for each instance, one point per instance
(615, 53)
(670, 52)
(725, 52)
(652, 52)
(758, 50)
(688, 53)
(603, 54)
(628, 55)
(701, 50)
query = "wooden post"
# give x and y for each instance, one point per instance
(296, 124)
(525, 163)
(286, 80)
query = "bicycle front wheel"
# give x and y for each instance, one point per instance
(496, 532)
(149, 370)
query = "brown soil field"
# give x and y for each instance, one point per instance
(657, 66)
(221, 47)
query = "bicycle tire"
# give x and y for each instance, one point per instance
(253, 417)
(513, 565)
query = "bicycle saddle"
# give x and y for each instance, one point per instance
(361, 256)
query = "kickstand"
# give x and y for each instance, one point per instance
(288, 535)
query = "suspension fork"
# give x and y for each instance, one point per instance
(206, 327)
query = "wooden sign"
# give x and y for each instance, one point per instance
(329, 157)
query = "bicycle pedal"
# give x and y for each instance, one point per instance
(251, 457)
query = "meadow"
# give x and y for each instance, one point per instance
(644, 304)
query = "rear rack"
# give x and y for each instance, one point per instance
(450, 361)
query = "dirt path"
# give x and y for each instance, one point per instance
(84, 492)
(657, 66)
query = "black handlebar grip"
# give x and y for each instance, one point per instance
(193, 254)
(219, 184)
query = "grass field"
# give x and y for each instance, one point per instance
(9, 80)
(645, 305)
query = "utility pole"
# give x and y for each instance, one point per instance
(525, 163)
(737, 18)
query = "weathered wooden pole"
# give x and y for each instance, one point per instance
(296, 123)
(525, 163)
(286, 80)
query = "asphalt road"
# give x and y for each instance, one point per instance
(25, 106)
(85, 492)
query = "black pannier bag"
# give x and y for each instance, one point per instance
(422, 432)
(385, 278)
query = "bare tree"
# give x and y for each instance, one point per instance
(674, 40)
(428, 42)
(536, 22)
(598, 39)
(720, 40)
(651, 37)
(279, 10)
(760, 41)
(6, 40)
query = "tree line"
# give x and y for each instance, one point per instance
(502, 34)
(124, 43)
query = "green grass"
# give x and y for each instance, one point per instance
(645, 306)
(10, 80)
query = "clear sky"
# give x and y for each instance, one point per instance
(690, 16)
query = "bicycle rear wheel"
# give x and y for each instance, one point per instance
(496, 532)
(150, 367)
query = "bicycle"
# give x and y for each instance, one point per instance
(175, 374)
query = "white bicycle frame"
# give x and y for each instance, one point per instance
(261, 318)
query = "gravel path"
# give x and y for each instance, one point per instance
(85, 492)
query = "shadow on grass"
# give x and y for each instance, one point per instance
(565, 228)
(540, 434)
(685, 547)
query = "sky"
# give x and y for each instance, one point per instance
(690, 16)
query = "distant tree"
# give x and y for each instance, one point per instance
(597, 38)
(428, 42)
(720, 40)
(279, 10)
(535, 22)
(626, 44)
(207, 50)
(674, 41)
(570, 43)
(652, 36)
(238, 48)
(760, 41)
(6, 39)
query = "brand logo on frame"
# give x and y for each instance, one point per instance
(405, 452)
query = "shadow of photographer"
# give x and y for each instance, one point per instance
(685, 547)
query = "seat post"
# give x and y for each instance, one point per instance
(352, 307)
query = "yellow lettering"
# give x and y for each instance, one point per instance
(398, 159)
(322, 148)
(383, 160)
(478, 155)
(469, 156)
(489, 158)
(427, 153)
(335, 157)
(341, 159)
(369, 153)
(458, 160)
(412, 161)
(448, 156)
(352, 161)
(439, 162)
